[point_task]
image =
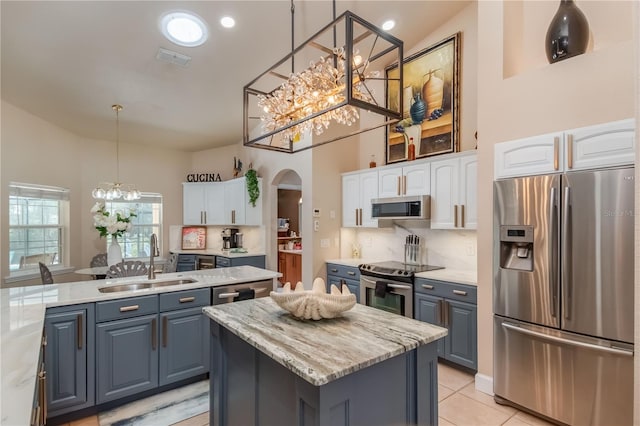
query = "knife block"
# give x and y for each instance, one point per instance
(412, 254)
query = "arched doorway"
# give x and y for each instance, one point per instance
(289, 226)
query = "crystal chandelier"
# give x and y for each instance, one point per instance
(335, 86)
(116, 190)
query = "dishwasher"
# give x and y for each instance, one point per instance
(238, 292)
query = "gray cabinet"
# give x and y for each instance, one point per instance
(186, 262)
(150, 341)
(225, 262)
(453, 306)
(184, 347)
(350, 274)
(126, 347)
(69, 358)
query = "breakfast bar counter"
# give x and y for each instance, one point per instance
(364, 367)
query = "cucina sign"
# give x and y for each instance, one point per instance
(204, 177)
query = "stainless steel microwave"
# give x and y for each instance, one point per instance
(410, 207)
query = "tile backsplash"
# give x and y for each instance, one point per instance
(253, 237)
(453, 249)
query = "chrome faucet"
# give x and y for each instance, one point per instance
(154, 252)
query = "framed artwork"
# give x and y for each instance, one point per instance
(194, 237)
(430, 76)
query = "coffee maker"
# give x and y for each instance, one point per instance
(229, 238)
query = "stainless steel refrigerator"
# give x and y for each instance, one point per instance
(563, 295)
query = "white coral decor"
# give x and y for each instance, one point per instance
(315, 303)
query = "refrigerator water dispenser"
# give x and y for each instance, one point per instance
(516, 247)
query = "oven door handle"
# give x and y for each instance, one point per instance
(398, 286)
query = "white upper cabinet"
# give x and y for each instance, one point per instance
(604, 145)
(593, 147)
(358, 189)
(220, 203)
(537, 155)
(404, 180)
(454, 192)
(202, 203)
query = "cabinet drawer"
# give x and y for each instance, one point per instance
(222, 262)
(347, 272)
(185, 299)
(187, 258)
(454, 291)
(126, 308)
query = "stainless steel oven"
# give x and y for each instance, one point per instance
(397, 296)
(389, 285)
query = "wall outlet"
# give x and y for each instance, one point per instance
(332, 214)
(368, 242)
(316, 225)
(324, 243)
(471, 250)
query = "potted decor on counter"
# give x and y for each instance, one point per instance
(114, 224)
(252, 185)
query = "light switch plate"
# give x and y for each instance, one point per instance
(316, 212)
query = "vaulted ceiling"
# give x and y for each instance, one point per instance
(69, 61)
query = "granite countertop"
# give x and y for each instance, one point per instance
(22, 312)
(351, 261)
(451, 275)
(325, 350)
(217, 252)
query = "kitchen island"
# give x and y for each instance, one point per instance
(22, 319)
(365, 367)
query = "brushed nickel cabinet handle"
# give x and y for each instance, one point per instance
(460, 292)
(398, 191)
(42, 376)
(455, 215)
(556, 147)
(441, 312)
(129, 308)
(79, 330)
(462, 215)
(165, 326)
(186, 299)
(570, 151)
(446, 313)
(404, 185)
(353, 274)
(154, 333)
(427, 286)
(205, 216)
(334, 270)
(356, 217)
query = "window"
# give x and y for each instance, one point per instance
(38, 225)
(148, 221)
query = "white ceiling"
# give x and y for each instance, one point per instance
(69, 61)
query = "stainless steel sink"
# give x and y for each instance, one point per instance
(143, 284)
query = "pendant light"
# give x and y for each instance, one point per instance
(116, 190)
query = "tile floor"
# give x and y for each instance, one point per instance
(459, 404)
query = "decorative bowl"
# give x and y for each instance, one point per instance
(314, 304)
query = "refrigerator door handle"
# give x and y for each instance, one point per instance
(567, 286)
(543, 336)
(553, 255)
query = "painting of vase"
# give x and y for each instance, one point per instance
(433, 74)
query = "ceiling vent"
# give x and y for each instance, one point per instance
(171, 57)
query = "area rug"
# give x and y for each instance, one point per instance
(163, 409)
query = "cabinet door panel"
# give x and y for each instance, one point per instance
(428, 309)
(184, 345)
(603, 145)
(66, 360)
(214, 204)
(418, 179)
(462, 343)
(469, 192)
(531, 156)
(350, 199)
(127, 361)
(444, 193)
(368, 191)
(389, 181)
(193, 204)
(234, 200)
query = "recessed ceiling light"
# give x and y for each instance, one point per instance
(387, 25)
(184, 29)
(227, 22)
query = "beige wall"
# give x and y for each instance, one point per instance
(36, 151)
(538, 98)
